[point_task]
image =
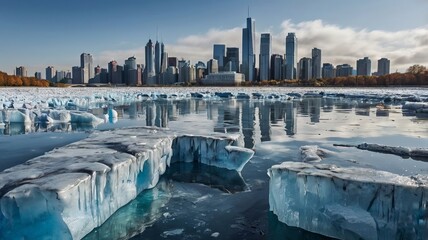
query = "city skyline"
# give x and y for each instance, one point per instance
(402, 40)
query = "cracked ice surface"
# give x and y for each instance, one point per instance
(349, 203)
(71, 190)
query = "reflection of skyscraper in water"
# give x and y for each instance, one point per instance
(327, 104)
(150, 114)
(161, 119)
(314, 109)
(247, 124)
(132, 110)
(265, 122)
(290, 119)
(172, 111)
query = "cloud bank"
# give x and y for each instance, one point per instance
(338, 44)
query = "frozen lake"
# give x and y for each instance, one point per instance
(199, 202)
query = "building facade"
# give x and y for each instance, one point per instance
(224, 79)
(248, 58)
(232, 59)
(291, 55)
(305, 69)
(50, 73)
(328, 70)
(86, 64)
(383, 67)
(344, 70)
(364, 67)
(316, 63)
(149, 72)
(264, 57)
(219, 53)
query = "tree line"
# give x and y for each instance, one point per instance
(16, 81)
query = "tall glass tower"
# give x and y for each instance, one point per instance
(87, 67)
(248, 59)
(264, 58)
(219, 53)
(150, 73)
(291, 55)
(316, 63)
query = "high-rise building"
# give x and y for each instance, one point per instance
(60, 75)
(328, 70)
(76, 75)
(291, 55)
(115, 73)
(158, 59)
(248, 58)
(305, 69)
(212, 66)
(38, 75)
(344, 70)
(383, 66)
(276, 66)
(172, 62)
(50, 73)
(232, 59)
(264, 58)
(150, 73)
(130, 71)
(364, 67)
(219, 53)
(21, 71)
(87, 67)
(316, 63)
(171, 75)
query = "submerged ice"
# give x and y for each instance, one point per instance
(349, 203)
(71, 190)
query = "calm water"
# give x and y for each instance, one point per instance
(199, 202)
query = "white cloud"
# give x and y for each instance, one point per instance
(339, 44)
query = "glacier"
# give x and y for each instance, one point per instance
(71, 190)
(349, 202)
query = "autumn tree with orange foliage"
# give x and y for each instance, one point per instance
(16, 81)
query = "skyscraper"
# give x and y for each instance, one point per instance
(87, 67)
(76, 75)
(264, 58)
(219, 53)
(328, 70)
(212, 66)
(130, 71)
(305, 69)
(150, 74)
(316, 63)
(383, 66)
(172, 62)
(291, 55)
(248, 59)
(232, 59)
(344, 70)
(115, 73)
(38, 75)
(276, 66)
(158, 58)
(364, 67)
(21, 71)
(50, 73)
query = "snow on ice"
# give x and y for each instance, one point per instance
(349, 203)
(71, 190)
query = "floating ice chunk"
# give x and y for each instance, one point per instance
(211, 150)
(312, 153)
(349, 203)
(62, 116)
(414, 105)
(84, 117)
(17, 116)
(71, 190)
(215, 234)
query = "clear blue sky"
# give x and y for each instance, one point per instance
(37, 33)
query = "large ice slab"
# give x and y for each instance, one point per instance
(349, 203)
(69, 191)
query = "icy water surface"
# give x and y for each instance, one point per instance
(202, 202)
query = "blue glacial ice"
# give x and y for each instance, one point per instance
(71, 190)
(349, 203)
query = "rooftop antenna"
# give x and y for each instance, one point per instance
(157, 33)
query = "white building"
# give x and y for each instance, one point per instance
(224, 79)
